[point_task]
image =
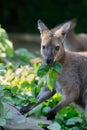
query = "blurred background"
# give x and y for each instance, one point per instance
(20, 17)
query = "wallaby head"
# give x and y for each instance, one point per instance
(52, 48)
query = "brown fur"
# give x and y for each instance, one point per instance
(73, 79)
(74, 42)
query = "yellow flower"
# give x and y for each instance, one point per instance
(30, 78)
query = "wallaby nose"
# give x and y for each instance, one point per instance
(49, 60)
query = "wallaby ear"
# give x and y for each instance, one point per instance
(63, 30)
(73, 23)
(41, 26)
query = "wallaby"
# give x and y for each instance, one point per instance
(73, 79)
(74, 42)
(71, 42)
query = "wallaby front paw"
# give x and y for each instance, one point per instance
(23, 110)
(51, 115)
(26, 109)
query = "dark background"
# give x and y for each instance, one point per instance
(22, 15)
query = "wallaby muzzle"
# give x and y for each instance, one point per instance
(49, 60)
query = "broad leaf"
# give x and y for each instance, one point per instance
(8, 99)
(3, 67)
(21, 121)
(1, 109)
(8, 114)
(57, 67)
(6, 46)
(43, 69)
(9, 48)
(76, 128)
(1, 87)
(51, 79)
(2, 122)
(1, 94)
(24, 54)
(74, 121)
(54, 126)
(46, 110)
(3, 33)
(14, 90)
(34, 110)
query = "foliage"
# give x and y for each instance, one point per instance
(21, 81)
(6, 47)
(50, 73)
(6, 50)
(4, 114)
(9, 89)
(24, 54)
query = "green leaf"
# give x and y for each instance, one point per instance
(1, 87)
(3, 33)
(21, 121)
(51, 79)
(14, 90)
(6, 46)
(44, 126)
(34, 110)
(9, 48)
(46, 110)
(33, 100)
(3, 67)
(1, 94)
(8, 99)
(8, 114)
(43, 69)
(40, 124)
(20, 97)
(2, 122)
(74, 121)
(24, 54)
(68, 112)
(54, 126)
(1, 109)
(76, 128)
(57, 67)
(59, 118)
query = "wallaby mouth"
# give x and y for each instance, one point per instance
(49, 61)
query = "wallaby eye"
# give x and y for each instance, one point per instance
(44, 46)
(57, 48)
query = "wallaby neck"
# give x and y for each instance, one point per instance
(63, 57)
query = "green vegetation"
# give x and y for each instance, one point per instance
(49, 74)
(21, 81)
